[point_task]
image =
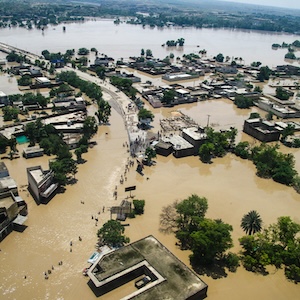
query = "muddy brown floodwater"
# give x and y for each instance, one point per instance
(229, 184)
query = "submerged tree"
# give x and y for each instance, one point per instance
(111, 234)
(251, 222)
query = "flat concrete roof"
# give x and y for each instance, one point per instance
(7, 183)
(37, 174)
(178, 142)
(194, 133)
(170, 278)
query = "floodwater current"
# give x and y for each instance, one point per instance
(229, 183)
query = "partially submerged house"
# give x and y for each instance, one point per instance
(263, 131)
(41, 183)
(168, 277)
(13, 209)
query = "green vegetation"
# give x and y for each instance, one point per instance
(264, 73)
(83, 51)
(125, 85)
(282, 94)
(168, 96)
(104, 111)
(138, 206)
(243, 102)
(111, 234)
(217, 144)
(254, 115)
(290, 55)
(25, 80)
(207, 239)
(243, 150)
(13, 56)
(251, 222)
(145, 114)
(29, 99)
(173, 43)
(269, 162)
(92, 90)
(39, 15)
(52, 142)
(219, 57)
(273, 164)
(10, 113)
(278, 245)
(150, 153)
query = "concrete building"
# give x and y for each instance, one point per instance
(34, 151)
(3, 99)
(69, 103)
(264, 131)
(194, 136)
(179, 76)
(163, 148)
(40, 184)
(168, 277)
(3, 170)
(42, 81)
(278, 110)
(181, 147)
(8, 184)
(13, 212)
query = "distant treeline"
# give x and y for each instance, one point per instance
(34, 14)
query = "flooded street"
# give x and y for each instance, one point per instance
(229, 184)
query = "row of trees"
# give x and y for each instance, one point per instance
(278, 245)
(209, 240)
(269, 162)
(174, 43)
(124, 85)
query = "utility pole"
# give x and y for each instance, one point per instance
(208, 116)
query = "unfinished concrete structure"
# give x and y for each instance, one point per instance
(170, 278)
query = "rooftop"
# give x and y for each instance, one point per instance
(170, 278)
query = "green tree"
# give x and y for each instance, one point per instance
(219, 57)
(83, 51)
(150, 153)
(104, 111)
(242, 149)
(287, 131)
(90, 127)
(149, 53)
(25, 80)
(168, 96)
(251, 222)
(145, 114)
(206, 152)
(190, 211)
(264, 74)
(282, 94)
(112, 234)
(254, 115)
(138, 206)
(210, 241)
(10, 113)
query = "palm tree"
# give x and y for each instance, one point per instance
(251, 222)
